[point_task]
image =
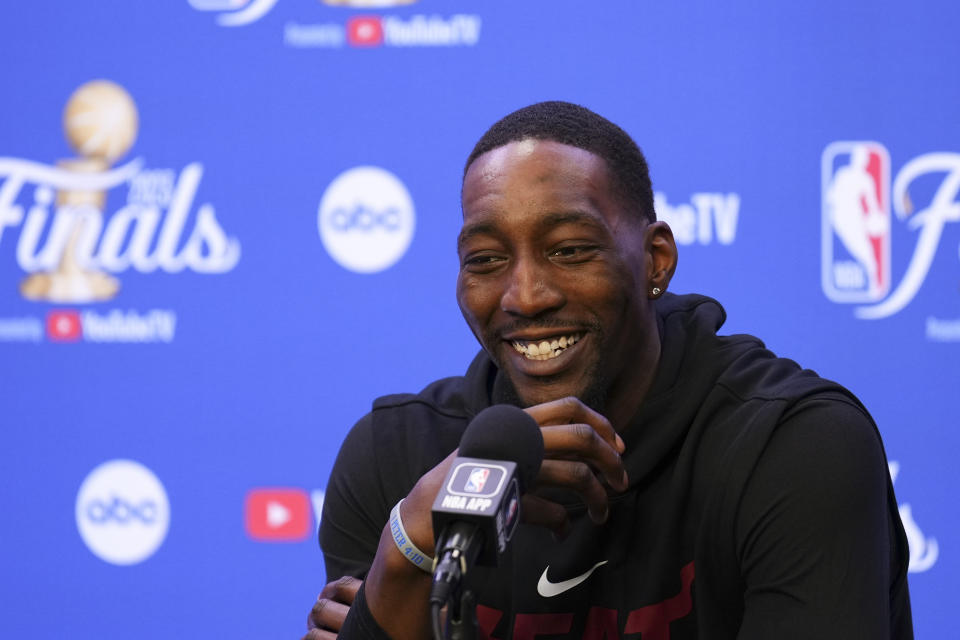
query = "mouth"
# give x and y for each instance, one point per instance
(546, 348)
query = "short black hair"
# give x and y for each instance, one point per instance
(577, 126)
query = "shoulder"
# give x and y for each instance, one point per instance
(820, 484)
(740, 363)
(438, 414)
(791, 440)
(455, 398)
(406, 434)
(825, 439)
(817, 534)
(382, 457)
(444, 398)
(794, 448)
(806, 437)
(410, 432)
(404, 431)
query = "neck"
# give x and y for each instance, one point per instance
(627, 394)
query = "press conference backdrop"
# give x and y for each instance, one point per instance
(227, 225)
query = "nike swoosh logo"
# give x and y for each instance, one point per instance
(549, 589)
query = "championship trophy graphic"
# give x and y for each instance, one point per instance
(100, 121)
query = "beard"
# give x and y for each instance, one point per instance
(593, 393)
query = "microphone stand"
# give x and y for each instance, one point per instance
(462, 623)
(457, 550)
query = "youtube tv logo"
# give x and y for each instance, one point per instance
(63, 325)
(277, 514)
(365, 31)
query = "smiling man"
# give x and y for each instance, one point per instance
(693, 485)
(551, 260)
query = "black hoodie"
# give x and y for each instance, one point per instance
(759, 505)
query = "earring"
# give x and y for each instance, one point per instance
(656, 291)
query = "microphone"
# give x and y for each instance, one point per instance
(478, 507)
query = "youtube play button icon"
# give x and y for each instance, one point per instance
(277, 514)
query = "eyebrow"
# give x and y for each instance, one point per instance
(476, 229)
(572, 217)
(550, 220)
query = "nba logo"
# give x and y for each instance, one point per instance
(855, 222)
(476, 480)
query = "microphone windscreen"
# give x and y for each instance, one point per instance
(505, 432)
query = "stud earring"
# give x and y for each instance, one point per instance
(656, 291)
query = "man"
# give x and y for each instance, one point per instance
(693, 486)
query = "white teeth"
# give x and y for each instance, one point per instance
(545, 349)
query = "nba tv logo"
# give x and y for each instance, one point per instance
(855, 222)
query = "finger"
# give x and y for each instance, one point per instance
(580, 478)
(581, 442)
(319, 634)
(571, 410)
(327, 614)
(545, 513)
(343, 589)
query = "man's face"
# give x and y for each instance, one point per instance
(553, 271)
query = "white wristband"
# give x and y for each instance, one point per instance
(405, 544)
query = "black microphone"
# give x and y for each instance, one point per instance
(478, 507)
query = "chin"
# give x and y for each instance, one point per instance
(593, 393)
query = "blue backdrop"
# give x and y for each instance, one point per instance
(227, 225)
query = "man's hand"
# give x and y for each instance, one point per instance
(581, 453)
(330, 610)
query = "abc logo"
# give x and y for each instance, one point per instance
(122, 512)
(366, 219)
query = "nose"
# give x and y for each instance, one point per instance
(530, 290)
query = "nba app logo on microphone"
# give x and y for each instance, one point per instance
(476, 480)
(855, 222)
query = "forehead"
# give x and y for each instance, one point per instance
(538, 181)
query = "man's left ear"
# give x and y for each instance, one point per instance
(661, 257)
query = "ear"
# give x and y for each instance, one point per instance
(661, 257)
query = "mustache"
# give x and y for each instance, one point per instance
(537, 324)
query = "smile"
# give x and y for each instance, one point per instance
(545, 349)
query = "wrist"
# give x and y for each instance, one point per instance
(405, 544)
(395, 564)
(397, 592)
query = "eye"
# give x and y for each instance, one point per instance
(482, 262)
(574, 253)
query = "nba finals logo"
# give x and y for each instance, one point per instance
(856, 223)
(67, 244)
(100, 123)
